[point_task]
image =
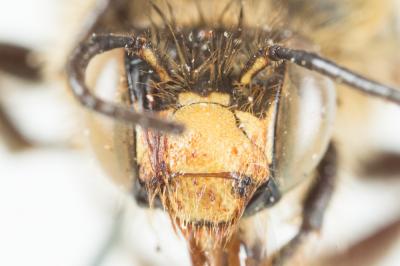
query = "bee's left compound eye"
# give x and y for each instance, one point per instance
(113, 141)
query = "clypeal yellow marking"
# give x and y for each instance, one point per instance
(208, 158)
(259, 64)
(187, 98)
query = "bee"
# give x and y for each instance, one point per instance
(223, 110)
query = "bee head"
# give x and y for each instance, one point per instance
(208, 174)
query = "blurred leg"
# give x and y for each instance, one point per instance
(315, 205)
(381, 164)
(112, 239)
(16, 60)
(13, 138)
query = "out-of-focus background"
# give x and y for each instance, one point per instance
(57, 207)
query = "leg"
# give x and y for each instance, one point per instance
(384, 164)
(15, 60)
(112, 239)
(315, 205)
(13, 138)
(368, 251)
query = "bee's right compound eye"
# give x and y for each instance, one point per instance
(304, 125)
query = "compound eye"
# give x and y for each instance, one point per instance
(304, 125)
(127, 79)
(112, 141)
